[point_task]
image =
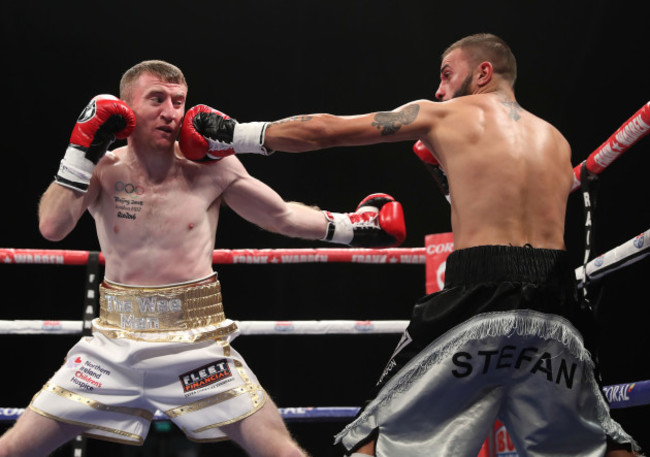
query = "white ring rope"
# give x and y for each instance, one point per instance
(323, 327)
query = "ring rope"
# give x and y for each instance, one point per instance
(625, 254)
(236, 256)
(630, 132)
(320, 327)
(621, 256)
(619, 395)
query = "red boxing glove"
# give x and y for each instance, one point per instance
(424, 154)
(377, 222)
(103, 120)
(208, 134)
(432, 164)
(201, 121)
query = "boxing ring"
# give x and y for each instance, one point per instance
(624, 395)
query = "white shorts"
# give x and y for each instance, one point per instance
(114, 387)
(164, 348)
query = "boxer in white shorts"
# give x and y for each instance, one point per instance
(162, 341)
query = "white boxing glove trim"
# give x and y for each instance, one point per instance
(75, 167)
(249, 137)
(339, 228)
(367, 208)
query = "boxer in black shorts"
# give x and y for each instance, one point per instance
(498, 341)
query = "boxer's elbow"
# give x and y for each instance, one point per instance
(54, 228)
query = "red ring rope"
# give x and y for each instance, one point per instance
(632, 130)
(232, 256)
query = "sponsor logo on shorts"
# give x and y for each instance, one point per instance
(88, 375)
(389, 368)
(392, 364)
(205, 376)
(73, 362)
(403, 342)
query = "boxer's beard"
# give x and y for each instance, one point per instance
(464, 88)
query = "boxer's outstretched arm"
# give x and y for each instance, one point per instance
(318, 131)
(209, 135)
(377, 222)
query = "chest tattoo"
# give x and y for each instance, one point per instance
(128, 199)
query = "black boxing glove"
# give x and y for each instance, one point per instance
(103, 120)
(208, 134)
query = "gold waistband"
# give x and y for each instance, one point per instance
(167, 308)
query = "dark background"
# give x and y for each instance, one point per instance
(581, 67)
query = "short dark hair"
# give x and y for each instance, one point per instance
(488, 47)
(165, 71)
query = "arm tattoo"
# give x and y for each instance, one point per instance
(390, 122)
(513, 109)
(300, 118)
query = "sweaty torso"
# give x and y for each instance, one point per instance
(509, 173)
(156, 231)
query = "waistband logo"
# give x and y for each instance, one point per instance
(143, 314)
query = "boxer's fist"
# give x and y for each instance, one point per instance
(208, 134)
(203, 132)
(105, 119)
(432, 164)
(377, 222)
(424, 154)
